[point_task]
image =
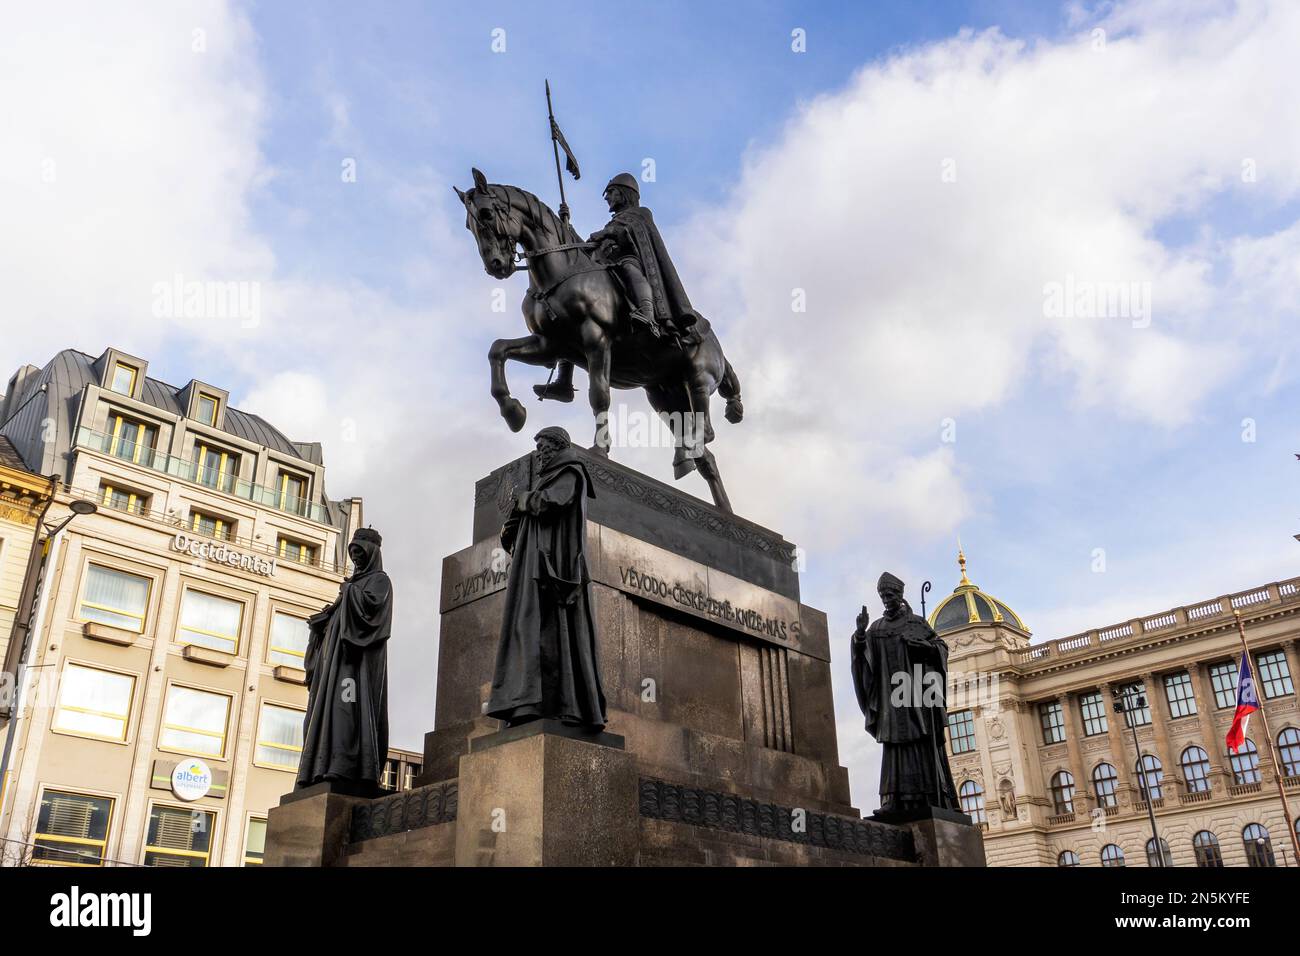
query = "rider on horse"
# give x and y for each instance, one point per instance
(633, 248)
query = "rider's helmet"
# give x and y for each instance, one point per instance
(627, 181)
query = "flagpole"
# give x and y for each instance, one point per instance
(1272, 748)
(555, 148)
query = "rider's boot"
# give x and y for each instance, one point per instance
(642, 296)
(560, 390)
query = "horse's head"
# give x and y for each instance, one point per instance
(495, 225)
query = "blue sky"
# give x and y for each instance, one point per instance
(1113, 160)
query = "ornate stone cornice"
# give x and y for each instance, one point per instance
(409, 810)
(675, 803)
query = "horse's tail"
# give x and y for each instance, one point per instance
(729, 388)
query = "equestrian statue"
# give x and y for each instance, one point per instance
(612, 305)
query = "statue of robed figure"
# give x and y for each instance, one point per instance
(345, 732)
(900, 674)
(546, 659)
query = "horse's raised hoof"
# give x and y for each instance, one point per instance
(555, 391)
(514, 413)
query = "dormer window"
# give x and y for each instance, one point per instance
(123, 379)
(206, 410)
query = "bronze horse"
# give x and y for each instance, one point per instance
(577, 312)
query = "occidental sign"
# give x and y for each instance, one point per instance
(220, 553)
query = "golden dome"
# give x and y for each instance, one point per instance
(969, 605)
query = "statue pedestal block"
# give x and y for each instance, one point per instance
(546, 795)
(310, 827)
(941, 837)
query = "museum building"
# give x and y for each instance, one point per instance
(1047, 766)
(162, 691)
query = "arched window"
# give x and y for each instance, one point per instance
(1196, 769)
(1245, 763)
(972, 801)
(1206, 845)
(1104, 780)
(1259, 848)
(1112, 855)
(1151, 776)
(1063, 791)
(1159, 858)
(1288, 751)
(1067, 858)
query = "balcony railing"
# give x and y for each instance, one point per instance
(191, 471)
(1283, 592)
(1194, 796)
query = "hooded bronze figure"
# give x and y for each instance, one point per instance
(546, 663)
(345, 732)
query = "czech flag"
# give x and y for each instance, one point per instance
(1247, 704)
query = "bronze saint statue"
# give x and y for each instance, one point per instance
(900, 674)
(345, 732)
(579, 314)
(546, 659)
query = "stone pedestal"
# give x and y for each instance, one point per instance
(940, 837)
(310, 827)
(541, 795)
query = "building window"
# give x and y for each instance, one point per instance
(1245, 763)
(1151, 776)
(1067, 858)
(409, 775)
(1223, 677)
(194, 721)
(297, 551)
(210, 621)
(1196, 769)
(1052, 719)
(123, 499)
(207, 409)
(279, 737)
(1063, 791)
(1178, 691)
(1135, 714)
(1274, 674)
(71, 829)
(178, 837)
(1158, 854)
(293, 493)
(1288, 751)
(1206, 845)
(971, 796)
(1093, 709)
(94, 702)
(211, 526)
(289, 637)
(133, 441)
(115, 598)
(1104, 780)
(123, 381)
(255, 842)
(388, 780)
(1112, 855)
(1259, 848)
(215, 467)
(961, 731)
